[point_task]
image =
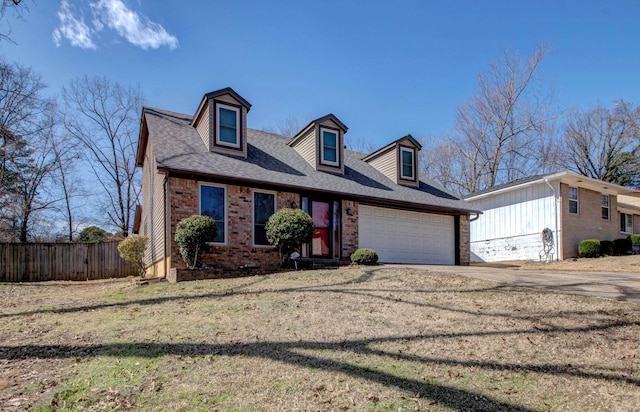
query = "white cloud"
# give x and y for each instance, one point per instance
(113, 14)
(138, 30)
(72, 29)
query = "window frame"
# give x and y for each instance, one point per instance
(576, 200)
(607, 207)
(253, 214)
(411, 150)
(628, 229)
(226, 210)
(238, 112)
(336, 148)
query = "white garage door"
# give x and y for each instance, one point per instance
(407, 237)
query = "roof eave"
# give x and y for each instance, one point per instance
(369, 199)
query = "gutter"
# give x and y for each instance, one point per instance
(422, 207)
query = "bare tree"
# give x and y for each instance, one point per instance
(18, 8)
(33, 195)
(22, 114)
(500, 131)
(603, 143)
(69, 185)
(103, 117)
(290, 125)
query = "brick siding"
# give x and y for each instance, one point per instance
(239, 251)
(464, 247)
(588, 223)
(349, 228)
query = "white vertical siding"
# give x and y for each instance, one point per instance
(511, 225)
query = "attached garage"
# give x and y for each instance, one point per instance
(401, 236)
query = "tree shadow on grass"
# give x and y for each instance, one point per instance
(452, 397)
(290, 353)
(298, 353)
(342, 287)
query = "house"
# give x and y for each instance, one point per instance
(572, 207)
(211, 163)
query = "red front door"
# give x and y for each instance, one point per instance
(321, 241)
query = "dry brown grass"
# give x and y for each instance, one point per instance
(347, 339)
(630, 263)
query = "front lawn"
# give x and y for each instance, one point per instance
(348, 339)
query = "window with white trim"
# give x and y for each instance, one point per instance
(228, 125)
(329, 141)
(605, 207)
(264, 205)
(573, 200)
(213, 203)
(407, 163)
(626, 223)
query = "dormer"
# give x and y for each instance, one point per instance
(398, 161)
(221, 122)
(321, 144)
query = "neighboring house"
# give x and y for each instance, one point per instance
(211, 163)
(571, 206)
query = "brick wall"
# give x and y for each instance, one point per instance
(349, 228)
(239, 251)
(464, 247)
(588, 223)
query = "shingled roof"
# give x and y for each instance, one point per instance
(270, 162)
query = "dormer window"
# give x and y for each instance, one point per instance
(227, 125)
(407, 163)
(398, 161)
(329, 147)
(321, 144)
(221, 122)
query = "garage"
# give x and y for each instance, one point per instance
(401, 236)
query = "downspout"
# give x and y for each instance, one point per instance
(164, 242)
(477, 215)
(555, 216)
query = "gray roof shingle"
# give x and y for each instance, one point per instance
(270, 161)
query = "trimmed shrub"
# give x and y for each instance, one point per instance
(589, 248)
(192, 235)
(287, 229)
(606, 247)
(365, 256)
(635, 239)
(132, 250)
(621, 246)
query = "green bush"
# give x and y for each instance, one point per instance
(287, 229)
(589, 248)
(606, 247)
(621, 246)
(132, 250)
(93, 234)
(364, 256)
(192, 235)
(634, 239)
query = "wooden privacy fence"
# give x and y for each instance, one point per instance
(35, 262)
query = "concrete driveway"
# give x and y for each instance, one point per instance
(615, 286)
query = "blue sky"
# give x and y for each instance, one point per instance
(385, 68)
